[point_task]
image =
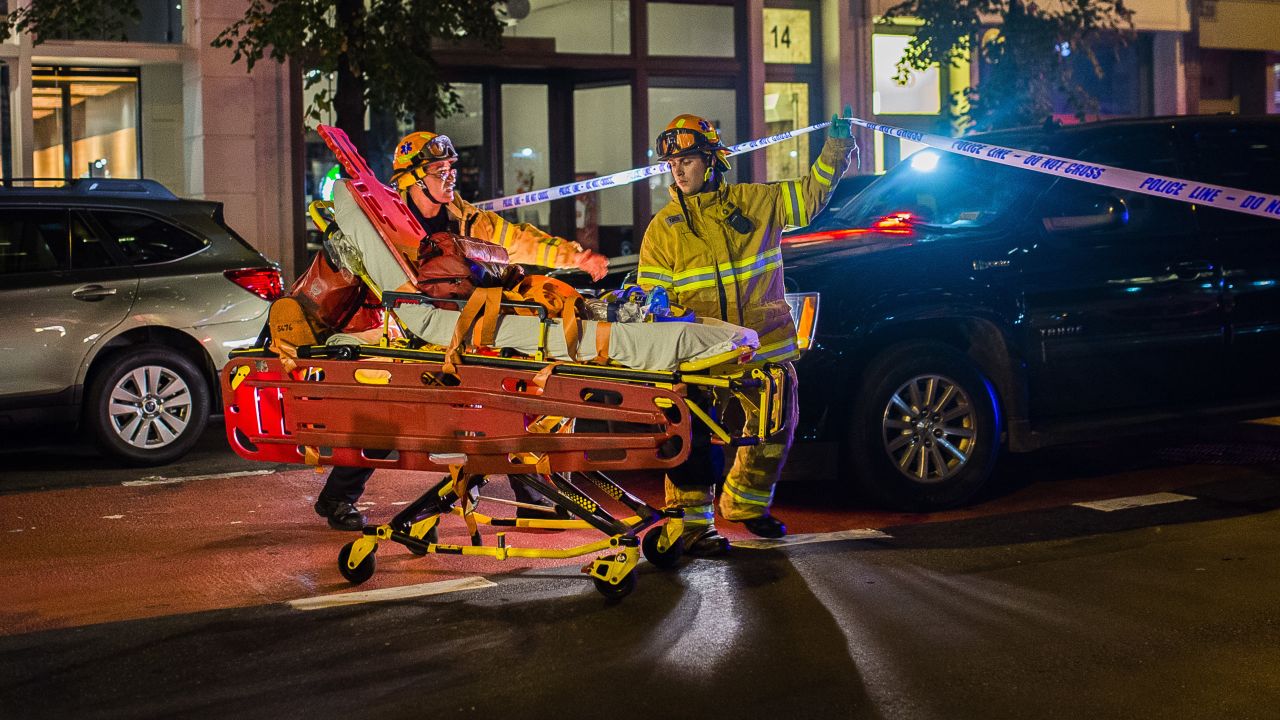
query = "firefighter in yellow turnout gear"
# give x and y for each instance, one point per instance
(717, 249)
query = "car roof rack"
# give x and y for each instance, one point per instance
(92, 187)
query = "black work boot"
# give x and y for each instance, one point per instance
(766, 527)
(705, 543)
(341, 514)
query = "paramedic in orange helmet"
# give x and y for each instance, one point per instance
(424, 174)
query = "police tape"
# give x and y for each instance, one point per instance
(626, 177)
(1172, 188)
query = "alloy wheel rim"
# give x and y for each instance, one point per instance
(150, 407)
(929, 428)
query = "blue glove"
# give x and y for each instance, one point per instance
(841, 128)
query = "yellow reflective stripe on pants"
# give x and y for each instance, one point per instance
(747, 496)
(699, 515)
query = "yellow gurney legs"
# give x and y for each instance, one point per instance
(748, 491)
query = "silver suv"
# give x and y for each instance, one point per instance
(118, 305)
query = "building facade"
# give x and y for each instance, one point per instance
(166, 106)
(579, 89)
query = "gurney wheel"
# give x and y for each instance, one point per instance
(665, 560)
(362, 572)
(432, 536)
(619, 591)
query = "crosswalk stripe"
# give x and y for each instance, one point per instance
(1125, 503)
(805, 539)
(395, 593)
(162, 480)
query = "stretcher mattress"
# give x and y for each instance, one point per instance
(644, 345)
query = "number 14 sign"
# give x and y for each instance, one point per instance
(786, 36)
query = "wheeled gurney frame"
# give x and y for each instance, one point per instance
(549, 426)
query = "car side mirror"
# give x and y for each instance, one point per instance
(1093, 212)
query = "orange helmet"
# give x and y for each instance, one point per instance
(690, 134)
(415, 152)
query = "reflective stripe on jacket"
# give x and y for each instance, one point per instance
(720, 271)
(525, 243)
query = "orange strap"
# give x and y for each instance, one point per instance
(540, 379)
(288, 355)
(572, 329)
(603, 331)
(486, 300)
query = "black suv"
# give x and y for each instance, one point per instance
(968, 307)
(118, 305)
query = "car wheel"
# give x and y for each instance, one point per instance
(926, 429)
(149, 406)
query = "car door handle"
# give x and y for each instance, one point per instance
(92, 293)
(1191, 269)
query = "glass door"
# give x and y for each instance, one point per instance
(86, 123)
(601, 146)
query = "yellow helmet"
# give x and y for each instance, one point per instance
(688, 135)
(415, 152)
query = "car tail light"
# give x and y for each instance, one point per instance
(898, 223)
(263, 282)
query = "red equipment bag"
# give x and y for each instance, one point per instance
(453, 266)
(339, 301)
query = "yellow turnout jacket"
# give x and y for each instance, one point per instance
(728, 265)
(524, 243)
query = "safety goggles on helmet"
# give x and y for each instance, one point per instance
(437, 148)
(683, 141)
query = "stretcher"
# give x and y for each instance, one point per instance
(557, 426)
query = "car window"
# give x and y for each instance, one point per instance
(1143, 149)
(43, 240)
(145, 239)
(941, 190)
(1239, 156)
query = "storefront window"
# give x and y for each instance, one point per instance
(922, 95)
(1275, 89)
(466, 129)
(601, 146)
(577, 26)
(85, 123)
(6, 133)
(692, 30)
(526, 158)
(160, 21)
(1118, 76)
(716, 105)
(786, 107)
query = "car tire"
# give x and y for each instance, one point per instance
(148, 406)
(904, 458)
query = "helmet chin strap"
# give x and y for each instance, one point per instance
(427, 192)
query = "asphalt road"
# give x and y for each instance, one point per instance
(1027, 606)
(49, 459)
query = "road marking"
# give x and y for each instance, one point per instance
(1125, 503)
(396, 593)
(805, 539)
(162, 480)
